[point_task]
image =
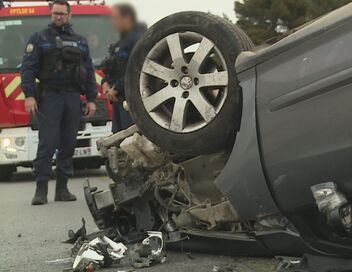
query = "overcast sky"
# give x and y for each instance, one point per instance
(151, 11)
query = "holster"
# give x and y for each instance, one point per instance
(80, 77)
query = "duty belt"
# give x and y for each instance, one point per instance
(59, 88)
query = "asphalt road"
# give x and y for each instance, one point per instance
(30, 236)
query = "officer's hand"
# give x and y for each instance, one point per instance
(106, 87)
(111, 94)
(31, 105)
(90, 109)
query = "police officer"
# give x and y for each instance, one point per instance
(124, 20)
(60, 60)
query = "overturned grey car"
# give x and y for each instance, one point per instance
(252, 158)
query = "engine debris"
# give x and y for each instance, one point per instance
(102, 252)
(81, 233)
(150, 251)
(155, 190)
(334, 206)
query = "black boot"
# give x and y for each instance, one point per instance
(62, 193)
(41, 193)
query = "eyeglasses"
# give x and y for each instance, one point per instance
(60, 14)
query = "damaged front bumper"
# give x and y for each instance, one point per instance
(157, 191)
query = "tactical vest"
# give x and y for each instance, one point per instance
(114, 66)
(65, 60)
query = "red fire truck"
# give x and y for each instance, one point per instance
(18, 132)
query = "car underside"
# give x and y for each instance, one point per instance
(154, 190)
(261, 168)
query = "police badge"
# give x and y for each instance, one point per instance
(29, 48)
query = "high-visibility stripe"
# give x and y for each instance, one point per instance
(98, 78)
(20, 96)
(11, 87)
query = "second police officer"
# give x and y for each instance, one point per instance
(59, 58)
(124, 20)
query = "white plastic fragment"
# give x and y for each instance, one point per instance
(60, 261)
(92, 255)
(95, 241)
(155, 241)
(89, 253)
(85, 256)
(118, 249)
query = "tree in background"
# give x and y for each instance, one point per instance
(264, 19)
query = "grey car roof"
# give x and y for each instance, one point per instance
(330, 21)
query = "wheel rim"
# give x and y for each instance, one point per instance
(184, 82)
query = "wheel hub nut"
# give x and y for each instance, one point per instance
(186, 82)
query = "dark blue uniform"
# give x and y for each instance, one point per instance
(58, 99)
(118, 59)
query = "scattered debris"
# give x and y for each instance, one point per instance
(19, 235)
(100, 252)
(90, 268)
(85, 257)
(60, 261)
(73, 236)
(150, 251)
(286, 263)
(312, 263)
(104, 252)
(76, 247)
(224, 269)
(189, 255)
(155, 242)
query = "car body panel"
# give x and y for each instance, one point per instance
(242, 180)
(304, 94)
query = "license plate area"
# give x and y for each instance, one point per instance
(83, 152)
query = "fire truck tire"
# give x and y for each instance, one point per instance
(182, 89)
(6, 172)
(95, 164)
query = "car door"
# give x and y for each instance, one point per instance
(304, 107)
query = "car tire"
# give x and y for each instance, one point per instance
(211, 114)
(78, 166)
(6, 172)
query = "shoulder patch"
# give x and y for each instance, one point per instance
(29, 48)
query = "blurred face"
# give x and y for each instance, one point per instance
(60, 15)
(120, 23)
